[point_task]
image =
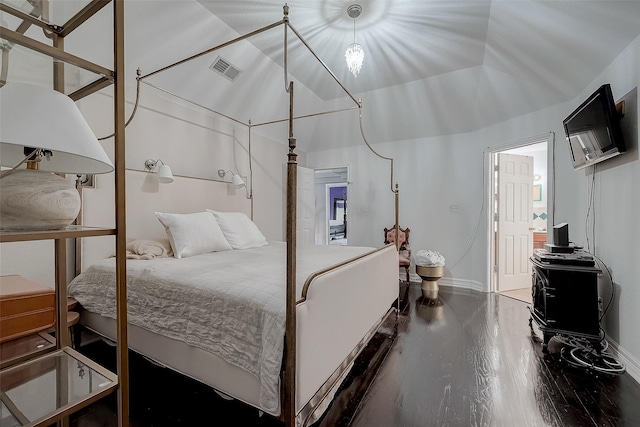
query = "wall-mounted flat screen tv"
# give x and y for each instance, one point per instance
(593, 130)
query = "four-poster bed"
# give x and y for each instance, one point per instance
(318, 345)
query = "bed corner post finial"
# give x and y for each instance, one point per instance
(397, 205)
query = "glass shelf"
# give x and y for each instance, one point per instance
(24, 348)
(46, 389)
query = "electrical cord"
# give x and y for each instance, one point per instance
(7, 172)
(590, 212)
(613, 288)
(471, 238)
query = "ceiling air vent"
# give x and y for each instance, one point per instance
(223, 67)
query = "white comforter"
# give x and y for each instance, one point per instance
(229, 303)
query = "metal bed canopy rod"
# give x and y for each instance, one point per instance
(287, 25)
(240, 122)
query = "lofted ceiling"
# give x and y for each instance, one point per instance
(431, 67)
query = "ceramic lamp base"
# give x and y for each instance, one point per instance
(31, 200)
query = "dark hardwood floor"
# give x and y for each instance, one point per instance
(467, 359)
(472, 360)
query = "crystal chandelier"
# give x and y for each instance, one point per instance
(354, 54)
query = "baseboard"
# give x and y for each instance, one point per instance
(631, 364)
(462, 283)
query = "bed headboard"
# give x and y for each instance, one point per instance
(144, 196)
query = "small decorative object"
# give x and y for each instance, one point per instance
(430, 267)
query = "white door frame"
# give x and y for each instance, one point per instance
(317, 181)
(489, 163)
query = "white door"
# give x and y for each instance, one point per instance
(515, 221)
(306, 211)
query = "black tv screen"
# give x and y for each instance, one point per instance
(593, 130)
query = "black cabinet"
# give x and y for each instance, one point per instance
(565, 301)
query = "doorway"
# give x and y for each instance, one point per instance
(332, 201)
(521, 207)
(336, 206)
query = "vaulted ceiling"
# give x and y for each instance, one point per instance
(442, 67)
(431, 67)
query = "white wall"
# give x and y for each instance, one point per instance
(435, 173)
(617, 203)
(194, 143)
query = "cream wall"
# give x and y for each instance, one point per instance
(435, 173)
(195, 144)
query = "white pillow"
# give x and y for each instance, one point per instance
(193, 234)
(240, 231)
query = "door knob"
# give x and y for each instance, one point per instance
(532, 229)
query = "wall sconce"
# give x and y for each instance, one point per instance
(237, 181)
(164, 172)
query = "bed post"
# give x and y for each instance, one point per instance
(397, 213)
(289, 398)
(121, 213)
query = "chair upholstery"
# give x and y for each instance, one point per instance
(404, 254)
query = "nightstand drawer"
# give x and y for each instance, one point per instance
(25, 306)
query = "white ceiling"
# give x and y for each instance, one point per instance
(432, 67)
(436, 67)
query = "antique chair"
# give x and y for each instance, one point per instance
(404, 250)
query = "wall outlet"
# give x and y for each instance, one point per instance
(454, 208)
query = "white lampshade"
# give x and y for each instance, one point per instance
(237, 181)
(37, 117)
(164, 174)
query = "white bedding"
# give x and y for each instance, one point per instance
(230, 303)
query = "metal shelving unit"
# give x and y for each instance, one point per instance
(43, 380)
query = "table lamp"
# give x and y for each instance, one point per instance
(44, 129)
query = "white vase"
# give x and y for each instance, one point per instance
(37, 200)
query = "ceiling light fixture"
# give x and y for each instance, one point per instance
(354, 54)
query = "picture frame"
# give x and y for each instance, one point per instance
(537, 193)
